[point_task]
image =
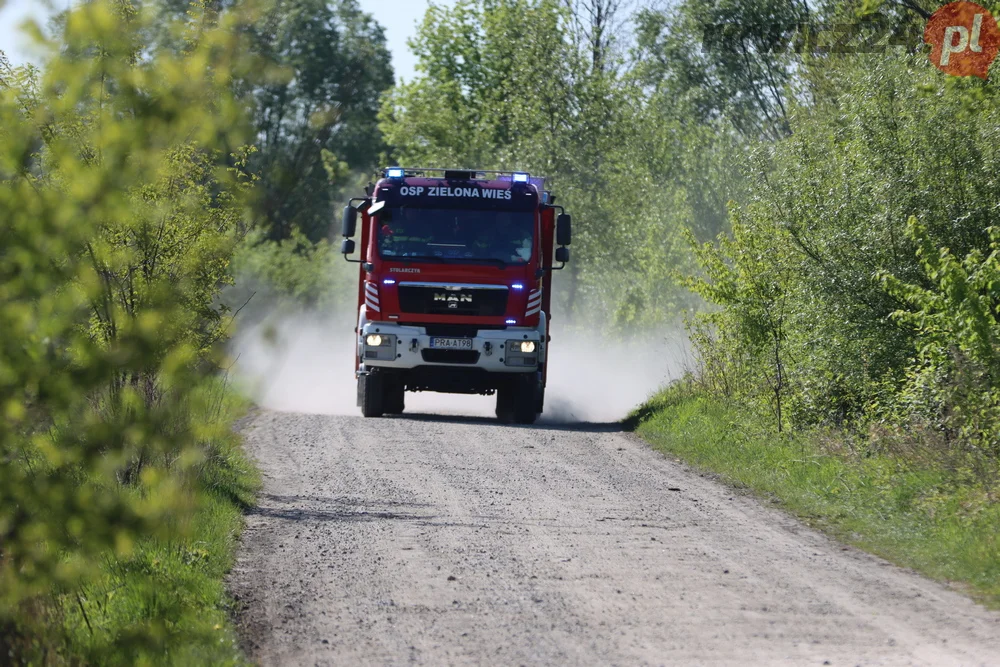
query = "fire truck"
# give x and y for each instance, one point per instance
(455, 286)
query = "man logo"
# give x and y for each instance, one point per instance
(453, 299)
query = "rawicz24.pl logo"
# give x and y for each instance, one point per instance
(964, 39)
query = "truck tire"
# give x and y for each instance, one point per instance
(394, 396)
(505, 405)
(526, 392)
(371, 393)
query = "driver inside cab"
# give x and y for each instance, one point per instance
(514, 243)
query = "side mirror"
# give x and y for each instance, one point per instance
(350, 221)
(347, 247)
(564, 230)
(562, 255)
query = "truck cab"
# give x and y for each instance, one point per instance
(454, 287)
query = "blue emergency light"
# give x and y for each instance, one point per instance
(518, 286)
(520, 178)
(395, 172)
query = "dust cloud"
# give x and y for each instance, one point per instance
(304, 362)
(599, 379)
(298, 362)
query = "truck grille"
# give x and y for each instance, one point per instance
(470, 300)
(450, 356)
(455, 330)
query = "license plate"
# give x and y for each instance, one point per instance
(451, 343)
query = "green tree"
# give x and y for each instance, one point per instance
(323, 66)
(315, 111)
(731, 58)
(494, 88)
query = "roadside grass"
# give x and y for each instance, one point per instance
(941, 522)
(166, 603)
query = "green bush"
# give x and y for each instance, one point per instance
(954, 383)
(121, 202)
(806, 325)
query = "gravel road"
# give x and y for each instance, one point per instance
(439, 540)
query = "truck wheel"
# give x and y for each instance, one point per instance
(371, 393)
(505, 405)
(526, 399)
(394, 396)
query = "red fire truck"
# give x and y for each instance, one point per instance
(455, 286)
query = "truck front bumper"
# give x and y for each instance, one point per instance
(394, 346)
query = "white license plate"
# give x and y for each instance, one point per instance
(451, 343)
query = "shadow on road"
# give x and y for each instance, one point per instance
(319, 508)
(544, 423)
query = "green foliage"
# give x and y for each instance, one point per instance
(165, 602)
(315, 107)
(955, 381)
(828, 216)
(314, 94)
(469, 108)
(853, 301)
(729, 58)
(122, 193)
(747, 337)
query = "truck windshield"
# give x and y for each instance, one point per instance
(497, 236)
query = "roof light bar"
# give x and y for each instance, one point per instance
(395, 172)
(520, 177)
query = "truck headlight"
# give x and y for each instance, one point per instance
(379, 347)
(521, 353)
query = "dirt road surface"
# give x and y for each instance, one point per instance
(437, 540)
